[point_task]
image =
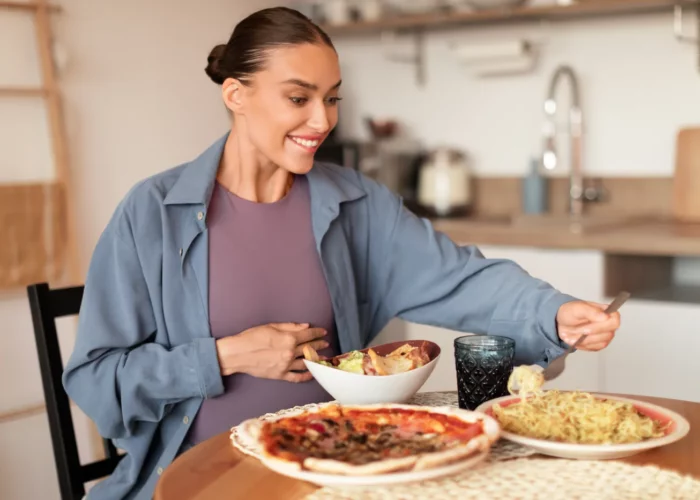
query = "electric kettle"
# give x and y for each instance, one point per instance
(444, 183)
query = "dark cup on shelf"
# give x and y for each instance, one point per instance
(484, 364)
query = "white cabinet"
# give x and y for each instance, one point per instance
(655, 352)
(576, 272)
(579, 273)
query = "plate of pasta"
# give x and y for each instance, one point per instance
(584, 425)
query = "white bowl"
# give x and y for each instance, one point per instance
(678, 430)
(354, 388)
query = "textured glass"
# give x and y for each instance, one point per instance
(484, 363)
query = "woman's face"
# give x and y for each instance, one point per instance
(291, 106)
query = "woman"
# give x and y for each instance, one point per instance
(212, 276)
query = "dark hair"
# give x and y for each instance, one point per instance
(244, 54)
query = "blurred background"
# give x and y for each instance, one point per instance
(563, 135)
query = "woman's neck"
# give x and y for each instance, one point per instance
(245, 173)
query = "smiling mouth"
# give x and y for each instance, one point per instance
(307, 144)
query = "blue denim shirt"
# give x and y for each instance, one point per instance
(144, 358)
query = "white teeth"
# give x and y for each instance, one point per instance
(304, 142)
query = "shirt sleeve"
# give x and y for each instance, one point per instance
(118, 374)
(426, 278)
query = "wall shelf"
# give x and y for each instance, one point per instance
(419, 24)
(28, 6)
(442, 20)
(23, 92)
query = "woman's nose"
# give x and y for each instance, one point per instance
(319, 119)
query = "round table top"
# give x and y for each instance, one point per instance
(215, 469)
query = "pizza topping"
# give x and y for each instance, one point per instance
(330, 422)
(360, 437)
(317, 427)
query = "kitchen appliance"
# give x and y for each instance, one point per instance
(346, 153)
(444, 184)
(395, 163)
(686, 179)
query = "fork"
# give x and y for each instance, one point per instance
(557, 366)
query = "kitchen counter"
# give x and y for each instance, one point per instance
(644, 237)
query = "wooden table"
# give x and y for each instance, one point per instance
(214, 469)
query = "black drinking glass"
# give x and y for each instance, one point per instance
(484, 364)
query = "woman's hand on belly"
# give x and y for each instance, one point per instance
(271, 351)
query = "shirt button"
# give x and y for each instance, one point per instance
(181, 252)
(160, 470)
(186, 420)
(200, 215)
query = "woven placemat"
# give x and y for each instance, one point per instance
(501, 450)
(535, 479)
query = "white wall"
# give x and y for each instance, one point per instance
(638, 85)
(137, 101)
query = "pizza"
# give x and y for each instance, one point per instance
(402, 359)
(370, 440)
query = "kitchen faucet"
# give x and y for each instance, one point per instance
(550, 157)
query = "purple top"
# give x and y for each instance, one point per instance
(263, 268)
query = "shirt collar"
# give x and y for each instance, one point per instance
(196, 181)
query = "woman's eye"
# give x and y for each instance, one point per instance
(298, 100)
(333, 101)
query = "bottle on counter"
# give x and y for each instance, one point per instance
(534, 190)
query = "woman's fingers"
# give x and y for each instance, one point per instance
(596, 347)
(590, 342)
(297, 365)
(297, 377)
(316, 345)
(596, 344)
(609, 325)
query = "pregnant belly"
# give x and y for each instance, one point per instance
(249, 397)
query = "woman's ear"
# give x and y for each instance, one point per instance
(232, 91)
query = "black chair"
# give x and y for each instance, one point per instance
(47, 305)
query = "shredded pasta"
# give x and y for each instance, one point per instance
(528, 379)
(577, 417)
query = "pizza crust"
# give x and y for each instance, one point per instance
(479, 444)
(249, 434)
(373, 468)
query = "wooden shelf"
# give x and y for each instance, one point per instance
(440, 20)
(23, 92)
(30, 6)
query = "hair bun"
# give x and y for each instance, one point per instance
(213, 60)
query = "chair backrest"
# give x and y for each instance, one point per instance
(47, 305)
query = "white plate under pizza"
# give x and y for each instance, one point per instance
(353, 445)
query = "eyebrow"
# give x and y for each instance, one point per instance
(307, 85)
